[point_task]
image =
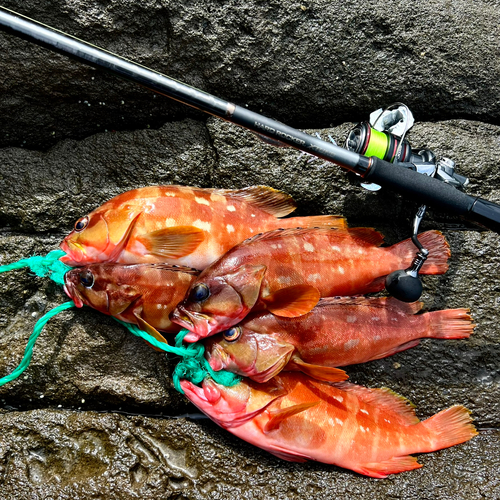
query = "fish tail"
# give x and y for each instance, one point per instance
(450, 324)
(449, 427)
(439, 252)
(335, 221)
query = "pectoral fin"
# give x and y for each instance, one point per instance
(173, 242)
(144, 325)
(293, 301)
(325, 373)
(277, 416)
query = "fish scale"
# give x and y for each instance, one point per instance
(180, 225)
(370, 431)
(273, 271)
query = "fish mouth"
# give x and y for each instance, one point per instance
(198, 324)
(75, 253)
(216, 358)
(72, 292)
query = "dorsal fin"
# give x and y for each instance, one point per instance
(385, 398)
(265, 198)
(364, 235)
(174, 268)
(382, 302)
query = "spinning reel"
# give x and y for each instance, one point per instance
(383, 136)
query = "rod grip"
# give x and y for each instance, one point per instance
(434, 192)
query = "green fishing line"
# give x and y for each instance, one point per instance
(193, 365)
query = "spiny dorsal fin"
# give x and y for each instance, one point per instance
(269, 200)
(385, 398)
(277, 416)
(381, 302)
(174, 268)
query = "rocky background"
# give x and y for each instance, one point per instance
(95, 415)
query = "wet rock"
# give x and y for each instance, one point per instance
(307, 64)
(64, 454)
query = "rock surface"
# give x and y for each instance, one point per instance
(308, 64)
(68, 424)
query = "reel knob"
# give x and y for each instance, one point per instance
(404, 285)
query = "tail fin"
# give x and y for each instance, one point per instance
(336, 221)
(450, 427)
(450, 324)
(439, 252)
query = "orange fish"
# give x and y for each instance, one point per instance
(180, 225)
(296, 418)
(143, 294)
(339, 331)
(287, 271)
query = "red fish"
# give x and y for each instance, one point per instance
(370, 431)
(339, 331)
(179, 225)
(143, 294)
(287, 271)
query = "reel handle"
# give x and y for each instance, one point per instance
(433, 192)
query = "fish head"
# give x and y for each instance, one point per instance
(215, 303)
(245, 352)
(232, 406)
(98, 286)
(99, 236)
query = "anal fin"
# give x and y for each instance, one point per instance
(393, 465)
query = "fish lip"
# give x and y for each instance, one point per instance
(72, 292)
(197, 393)
(74, 253)
(198, 324)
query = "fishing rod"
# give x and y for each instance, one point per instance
(401, 177)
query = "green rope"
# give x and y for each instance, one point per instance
(28, 352)
(193, 365)
(48, 265)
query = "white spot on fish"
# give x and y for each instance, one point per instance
(375, 318)
(377, 337)
(230, 229)
(148, 208)
(308, 247)
(362, 429)
(341, 270)
(388, 421)
(170, 222)
(274, 246)
(364, 411)
(394, 319)
(201, 201)
(340, 422)
(252, 215)
(206, 226)
(217, 197)
(338, 398)
(314, 277)
(351, 319)
(231, 208)
(360, 251)
(158, 306)
(168, 193)
(284, 280)
(350, 344)
(335, 248)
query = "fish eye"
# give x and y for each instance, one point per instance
(199, 293)
(81, 224)
(87, 278)
(232, 334)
